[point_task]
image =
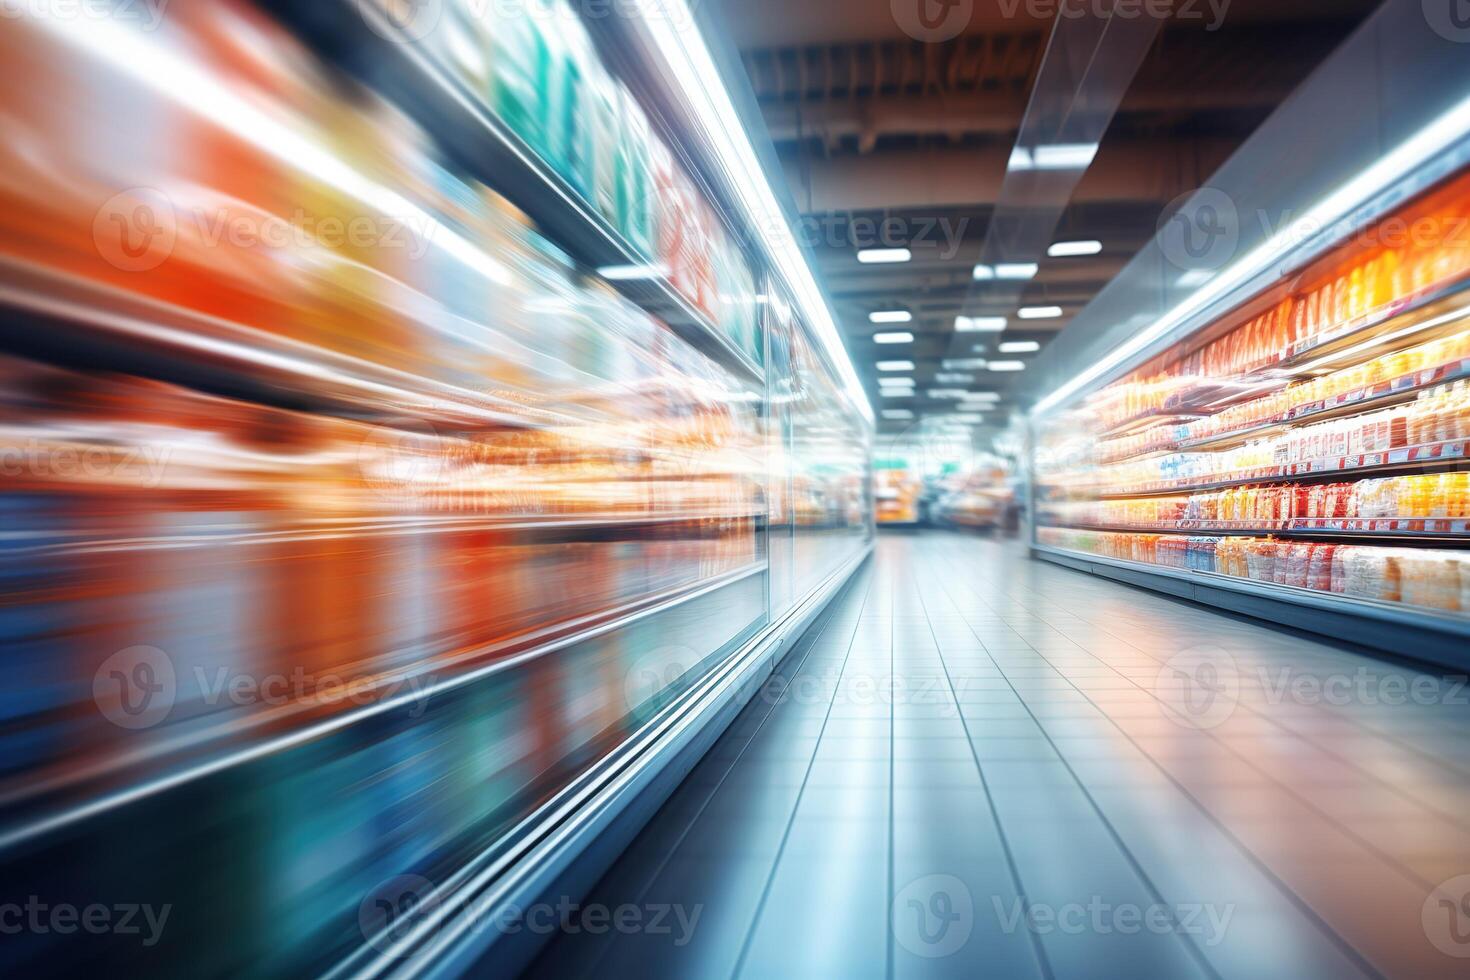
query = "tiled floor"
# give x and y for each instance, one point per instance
(984, 766)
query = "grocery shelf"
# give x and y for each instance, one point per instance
(1412, 458)
(1382, 395)
(1431, 636)
(78, 323)
(1424, 529)
(1289, 364)
(360, 38)
(589, 527)
(198, 754)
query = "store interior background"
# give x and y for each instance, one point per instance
(849, 468)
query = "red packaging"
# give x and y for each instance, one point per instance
(1319, 574)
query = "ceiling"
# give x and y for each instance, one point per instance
(891, 141)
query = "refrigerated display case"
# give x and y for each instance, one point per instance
(388, 443)
(1306, 448)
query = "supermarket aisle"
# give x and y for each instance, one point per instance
(1037, 799)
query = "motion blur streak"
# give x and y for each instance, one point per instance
(347, 516)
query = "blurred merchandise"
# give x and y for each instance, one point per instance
(346, 505)
(1327, 418)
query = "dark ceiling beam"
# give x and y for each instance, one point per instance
(1132, 171)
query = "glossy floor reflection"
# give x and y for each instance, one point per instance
(980, 765)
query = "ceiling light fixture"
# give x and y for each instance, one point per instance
(897, 337)
(954, 379)
(980, 324)
(965, 364)
(884, 256)
(1067, 250)
(891, 316)
(1039, 312)
(1006, 366)
(895, 365)
(1054, 156)
(1020, 347)
(895, 382)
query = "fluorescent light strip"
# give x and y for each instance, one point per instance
(1020, 347)
(1067, 250)
(891, 316)
(980, 324)
(627, 273)
(896, 382)
(1447, 129)
(688, 60)
(884, 256)
(897, 337)
(965, 364)
(1039, 312)
(1007, 366)
(1054, 156)
(1017, 271)
(895, 365)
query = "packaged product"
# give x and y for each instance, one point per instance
(1431, 579)
(1319, 571)
(573, 127)
(1298, 566)
(522, 87)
